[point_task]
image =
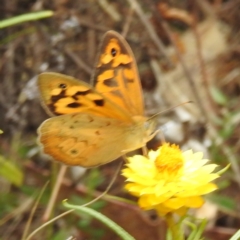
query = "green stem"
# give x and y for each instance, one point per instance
(174, 228)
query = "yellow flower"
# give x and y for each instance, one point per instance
(169, 180)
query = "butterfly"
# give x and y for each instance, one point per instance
(94, 126)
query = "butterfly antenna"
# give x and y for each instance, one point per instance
(169, 109)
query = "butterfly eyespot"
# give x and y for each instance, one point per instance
(74, 151)
(113, 52)
(97, 133)
(62, 85)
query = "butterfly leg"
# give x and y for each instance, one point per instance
(145, 150)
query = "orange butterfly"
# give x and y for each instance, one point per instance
(96, 125)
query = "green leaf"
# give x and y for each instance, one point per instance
(236, 236)
(116, 228)
(218, 96)
(196, 234)
(93, 179)
(10, 172)
(25, 18)
(227, 131)
(62, 234)
(225, 203)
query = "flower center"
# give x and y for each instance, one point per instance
(170, 159)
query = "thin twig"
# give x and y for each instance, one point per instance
(90, 24)
(227, 152)
(33, 210)
(48, 222)
(126, 25)
(189, 77)
(152, 33)
(207, 9)
(80, 63)
(107, 189)
(110, 10)
(101, 195)
(210, 107)
(91, 44)
(15, 213)
(54, 194)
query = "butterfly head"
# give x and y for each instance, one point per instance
(150, 128)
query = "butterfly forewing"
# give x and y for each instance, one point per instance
(62, 94)
(116, 75)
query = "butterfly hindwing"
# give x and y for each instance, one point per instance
(85, 139)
